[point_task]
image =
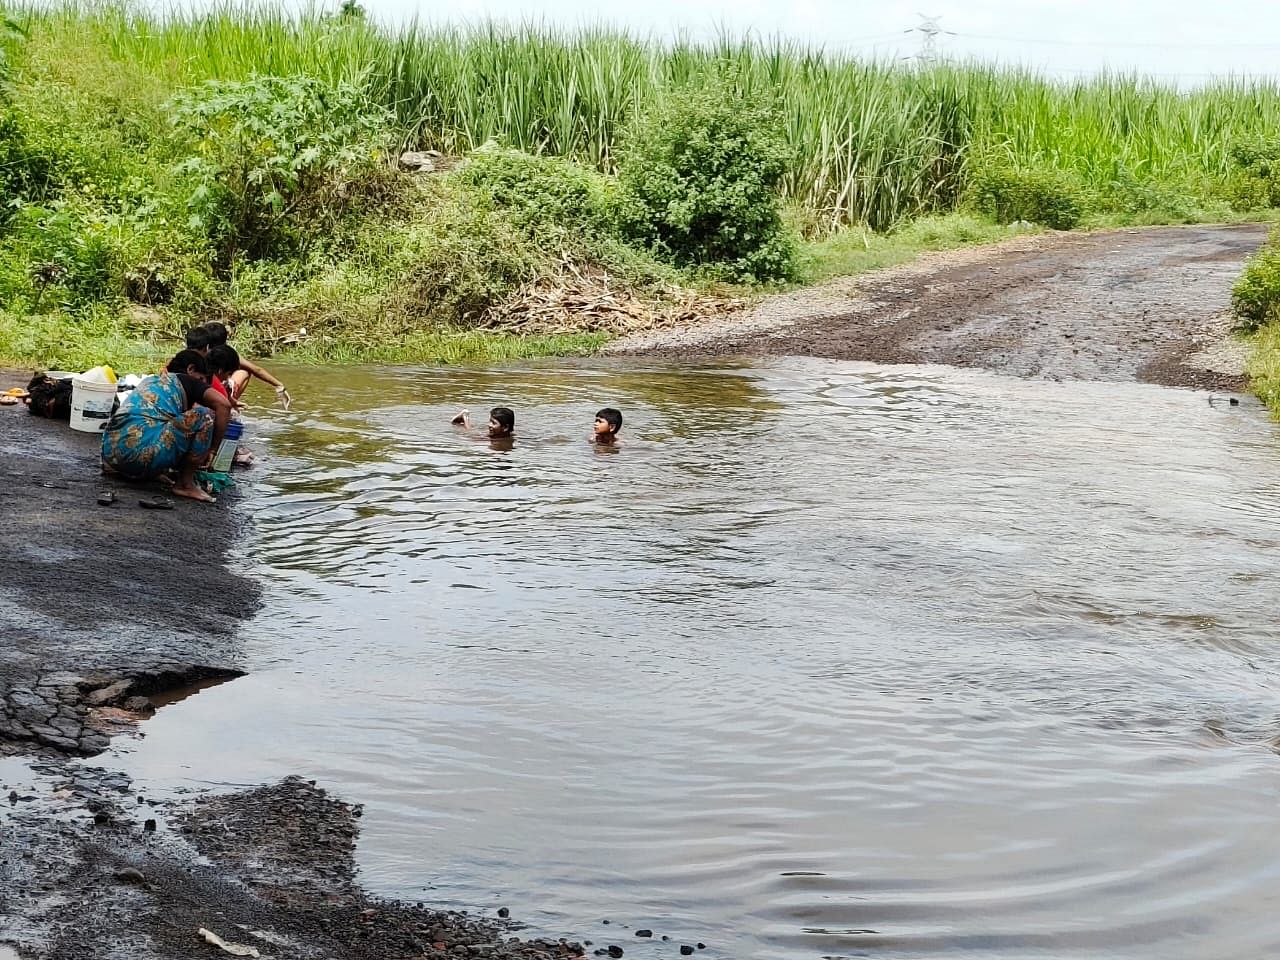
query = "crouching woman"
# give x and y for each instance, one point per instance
(169, 422)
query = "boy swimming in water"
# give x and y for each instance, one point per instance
(502, 423)
(608, 423)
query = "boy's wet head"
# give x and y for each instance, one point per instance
(198, 339)
(223, 361)
(608, 420)
(502, 422)
(217, 332)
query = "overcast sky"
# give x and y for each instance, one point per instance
(1185, 40)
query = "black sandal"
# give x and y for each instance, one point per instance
(156, 504)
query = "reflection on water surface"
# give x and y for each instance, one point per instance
(828, 660)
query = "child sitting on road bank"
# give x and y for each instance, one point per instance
(223, 361)
(224, 364)
(217, 333)
(199, 340)
(608, 423)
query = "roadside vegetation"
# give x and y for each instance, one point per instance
(244, 164)
(1255, 301)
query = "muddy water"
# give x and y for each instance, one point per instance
(828, 660)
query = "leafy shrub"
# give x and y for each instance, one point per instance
(443, 265)
(24, 172)
(1173, 200)
(1244, 192)
(1054, 198)
(698, 184)
(548, 197)
(96, 122)
(454, 262)
(71, 253)
(560, 207)
(277, 159)
(1255, 177)
(11, 34)
(1259, 156)
(1255, 298)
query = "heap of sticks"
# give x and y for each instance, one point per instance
(579, 298)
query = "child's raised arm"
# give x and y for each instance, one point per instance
(262, 374)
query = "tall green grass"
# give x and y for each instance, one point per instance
(874, 143)
(43, 340)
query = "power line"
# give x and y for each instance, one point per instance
(928, 53)
(896, 35)
(1206, 44)
(1170, 75)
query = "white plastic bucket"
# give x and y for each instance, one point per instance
(91, 404)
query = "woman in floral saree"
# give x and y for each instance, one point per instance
(169, 422)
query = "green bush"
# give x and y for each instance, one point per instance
(1244, 192)
(1142, 201)
(454, 262)
(96, 124)
(1053, 198)
(442, 264)
(1255, 298)
(699, 179)
(1255, 177)
(562, 208)
(24, 172)
(278, 160)
(64, 254)
(542, 195)
(11, 34)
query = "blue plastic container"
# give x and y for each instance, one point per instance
(227, 450)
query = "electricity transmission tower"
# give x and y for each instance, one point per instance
(929, 32)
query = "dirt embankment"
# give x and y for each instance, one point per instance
(101, 606)
(1143, 304)
(91, 870)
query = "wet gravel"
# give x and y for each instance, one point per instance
(102, 606)
(85, 872)
(1146, 304)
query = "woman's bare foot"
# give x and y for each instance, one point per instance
(193, 493)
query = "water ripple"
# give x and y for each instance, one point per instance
(829, 660)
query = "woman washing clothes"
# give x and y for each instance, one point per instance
(171, 421)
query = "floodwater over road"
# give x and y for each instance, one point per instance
(828, 660)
